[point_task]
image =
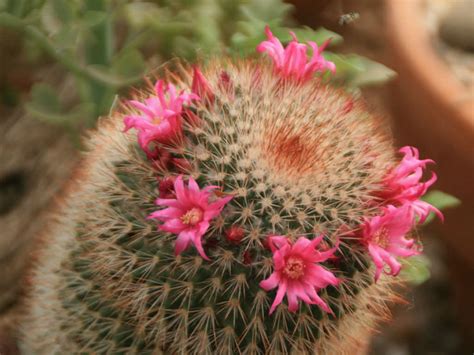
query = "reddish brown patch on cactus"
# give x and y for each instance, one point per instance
(292, 152)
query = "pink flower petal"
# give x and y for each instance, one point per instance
(292, 301)
(171, 212)
(374, 253)
(182, 242)
(319, 301)
(198, 244)
(180, 191)
(279, 296)
(271, 282)
(193, 186)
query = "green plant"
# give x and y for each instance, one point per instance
(104, 46)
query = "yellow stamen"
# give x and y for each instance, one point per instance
(381, 238)
(294, 268)
(192, 217)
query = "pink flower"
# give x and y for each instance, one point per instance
(403, 185)
(160, 118)
(201, 87)
(226, 84)
(385, 238)
(292, 61)
(297, 272)
(189, 214)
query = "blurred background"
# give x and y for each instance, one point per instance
(65, 63)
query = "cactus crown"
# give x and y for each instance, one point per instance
(299, 159)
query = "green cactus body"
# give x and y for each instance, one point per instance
(299, 159)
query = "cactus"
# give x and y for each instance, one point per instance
(294, 158)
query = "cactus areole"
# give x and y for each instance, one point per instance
(241, 206)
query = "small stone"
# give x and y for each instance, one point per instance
(457, 27)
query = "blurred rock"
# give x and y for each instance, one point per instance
(457, 27)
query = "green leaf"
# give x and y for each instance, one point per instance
(416, 269)
(129, 64)
(319, 36)
(266, 10)
(109, 78)
(66, 38)
(44, 97)
(93, 18)
(356, 71)
(72, 119)
(45, 106)
(373, 73)
(441, 201)
(63, 10)
(140, 13)
(18, 8)
(49, 20)
(56, 14)
(347, 67)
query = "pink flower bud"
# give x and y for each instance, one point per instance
(234, 234)
(201, 87)
(181, 165)
(166, 187)
(247, 258)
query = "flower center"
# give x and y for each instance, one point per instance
(294, 268)
(156, 120)
(381, 238)
(192, 217)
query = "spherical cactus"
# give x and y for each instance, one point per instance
(251, 217)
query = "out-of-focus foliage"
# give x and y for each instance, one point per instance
(416, 269)
(356, 71)
(441, 200)
(107, 45)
